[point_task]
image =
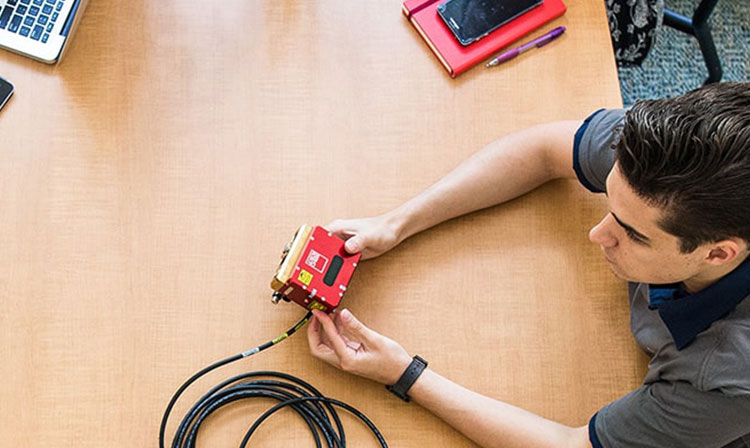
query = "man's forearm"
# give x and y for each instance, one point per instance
(488, 422)
(503, 170)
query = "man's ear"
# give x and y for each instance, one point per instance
(725, 251)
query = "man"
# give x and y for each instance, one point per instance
(676, 173)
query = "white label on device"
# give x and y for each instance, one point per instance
(316, 261)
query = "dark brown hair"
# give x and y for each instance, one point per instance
(690, 156)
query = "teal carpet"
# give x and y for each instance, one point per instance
(675, 64)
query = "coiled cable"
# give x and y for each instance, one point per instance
(316, 410)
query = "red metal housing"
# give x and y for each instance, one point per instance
(315, 270)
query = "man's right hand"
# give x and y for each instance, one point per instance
(369, 236)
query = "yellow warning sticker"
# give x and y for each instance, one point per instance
(305, 277)
(317, 306)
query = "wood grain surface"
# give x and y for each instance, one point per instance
(149, 183)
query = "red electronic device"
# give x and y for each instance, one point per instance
(315, 270)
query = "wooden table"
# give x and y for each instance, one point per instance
(150, 181)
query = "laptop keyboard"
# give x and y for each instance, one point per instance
(30, 18)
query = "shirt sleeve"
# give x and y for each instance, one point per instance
(594, 147)
(673, 414)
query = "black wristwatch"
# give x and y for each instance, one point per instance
(408, 378)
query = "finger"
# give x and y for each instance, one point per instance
(339, 228)
(341, 330)
(354, 345)
(318, 346)
(314, 336)
(354, 244)
(356, 328)
(329, 328)
(338, 323)
(326, 353)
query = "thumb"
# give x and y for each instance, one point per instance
(354, 245)
(355, 327)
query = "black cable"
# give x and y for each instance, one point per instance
(315, 409)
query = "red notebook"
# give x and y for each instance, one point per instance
(457, 58)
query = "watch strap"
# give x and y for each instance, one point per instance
(408, 378)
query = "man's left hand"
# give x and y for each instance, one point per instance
(346, 343)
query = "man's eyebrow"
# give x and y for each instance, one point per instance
(630, 229)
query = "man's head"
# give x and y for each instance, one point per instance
(679, 193)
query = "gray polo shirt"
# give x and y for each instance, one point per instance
(697, 389)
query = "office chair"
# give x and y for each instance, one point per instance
(699, 27)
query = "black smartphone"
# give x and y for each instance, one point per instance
(6, 90)
(471, 20)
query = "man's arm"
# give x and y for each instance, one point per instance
(505, 169)
(352, 347)
(489, 422)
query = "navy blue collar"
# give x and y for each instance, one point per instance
(686, 315)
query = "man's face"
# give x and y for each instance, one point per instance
(633, 244)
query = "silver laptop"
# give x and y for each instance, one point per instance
(39, 29)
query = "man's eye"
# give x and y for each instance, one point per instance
(634, 237)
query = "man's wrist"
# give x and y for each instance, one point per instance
(408, 378)
(399, 368)
(398, 220)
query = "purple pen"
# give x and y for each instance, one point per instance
(538, 42)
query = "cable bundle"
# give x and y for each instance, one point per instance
(316, 410)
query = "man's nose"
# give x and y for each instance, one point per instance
(603, 234)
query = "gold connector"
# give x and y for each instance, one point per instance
(291, 255)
